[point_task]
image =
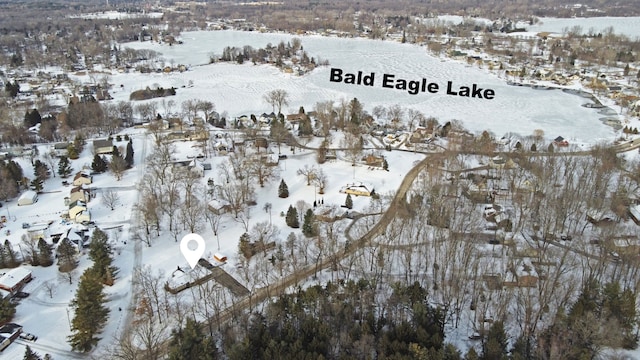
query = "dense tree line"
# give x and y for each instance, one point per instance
(310, 323)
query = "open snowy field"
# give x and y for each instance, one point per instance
(239, 89)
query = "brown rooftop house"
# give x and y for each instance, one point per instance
(82, 179)
(373, 160)
(78, 193)
(102, 146)
(293, 118)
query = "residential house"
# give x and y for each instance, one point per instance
(60, 149)
(15, 279)
(28, 197)
(601, 218)
(420, 134)
(8, 333)
(296, 118)
(102, 146)
(77, 238)
(560, 141)
(358, 189)
(83, 217)
(373, 160)
(500, 162)
(76, 208)
(627, 245)
(82, 178)
(79, 193)
(219, 207)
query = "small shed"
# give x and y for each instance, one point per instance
(27, 198)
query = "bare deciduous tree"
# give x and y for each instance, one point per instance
(277, 99)
(309, 172)
(111, 199)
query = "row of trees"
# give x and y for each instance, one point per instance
(90, 313)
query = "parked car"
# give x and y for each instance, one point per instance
(28, 336)
(25, 225)
(90, 224)
(282, 157)
(21, 295)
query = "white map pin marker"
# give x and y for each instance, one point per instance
(192, 255)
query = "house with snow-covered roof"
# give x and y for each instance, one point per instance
(76, 208)
(358, 189)
(15, 279)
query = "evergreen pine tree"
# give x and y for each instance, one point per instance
(30, 354)
(64, 167)
(101, 253)
(3, 260)
(128, 158)
(41, 170)
(283, 189)
(37, 185)
(348, 203)
(31, 118)
(78, 143)
(72, 152)
(7, 310)
(191, 343)
(66, 256)
(471, 354)
(90, 313)
(10, 256)
(309, 225)
(98, 165)
(116, 151)
(385, 165)
(305, 128)
(292, 217)
(45, 253)
(495, 345)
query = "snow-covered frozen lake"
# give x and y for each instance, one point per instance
(239, 89)
(629, 26)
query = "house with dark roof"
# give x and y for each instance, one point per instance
(103, 146)
(560, 141)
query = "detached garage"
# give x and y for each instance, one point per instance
(28, 198)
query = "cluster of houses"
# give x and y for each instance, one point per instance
(78, 197)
